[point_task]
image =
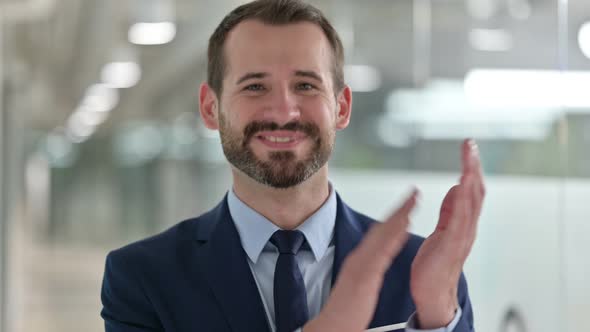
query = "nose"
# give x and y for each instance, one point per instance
(284, 107)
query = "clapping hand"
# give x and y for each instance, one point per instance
(435, 271)
(438, 264)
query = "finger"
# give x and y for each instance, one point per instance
(477, 195)
(383, 241)
(472, 166)
(395, 226)
(406, 207)
(475, 165)
(465, 157)
(478, 168)
(477, 186)
(470, 161)
(362, 273)
(461, 207)
(466, 235)
(373, 256)
(446, 208)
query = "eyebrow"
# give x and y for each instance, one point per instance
(300, 73)
(249, 76)
(308, 73)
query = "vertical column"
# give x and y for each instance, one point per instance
(422, 35)
(3, 205)
(564, 309)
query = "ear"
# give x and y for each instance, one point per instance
(344, 108)
(208, 106)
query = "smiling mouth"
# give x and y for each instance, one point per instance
(278, 139)
(281, 140)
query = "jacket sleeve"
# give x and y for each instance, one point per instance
(463, 320)
(126, 307)
(465, 323)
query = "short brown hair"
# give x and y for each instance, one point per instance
(273, 12)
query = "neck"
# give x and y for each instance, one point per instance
(286, 208)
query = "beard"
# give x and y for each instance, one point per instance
(282, 169)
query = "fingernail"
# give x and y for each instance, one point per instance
(473, 147)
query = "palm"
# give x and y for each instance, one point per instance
(437, 254)
(438, 264)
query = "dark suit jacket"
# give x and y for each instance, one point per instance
(195, 277)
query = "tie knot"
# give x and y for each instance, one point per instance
(288, 242)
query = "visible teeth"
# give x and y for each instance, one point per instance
(279, 139)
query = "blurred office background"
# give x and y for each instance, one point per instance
(101, 143)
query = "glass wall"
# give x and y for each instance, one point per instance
(103, 144)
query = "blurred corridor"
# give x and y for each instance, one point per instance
(101, 143)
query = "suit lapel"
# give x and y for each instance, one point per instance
(229, 276)
(347, 235)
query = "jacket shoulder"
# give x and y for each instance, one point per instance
(168, 241)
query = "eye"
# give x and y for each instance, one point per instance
(254, 87)
(305, 86)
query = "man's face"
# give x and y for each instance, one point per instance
(278, 112)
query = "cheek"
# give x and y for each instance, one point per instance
(241, 110)
(233, 113)
(323, 112)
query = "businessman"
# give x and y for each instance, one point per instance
(282, 252)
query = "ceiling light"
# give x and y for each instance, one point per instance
(78, 131)
(152, 33)
(584, 39)
(491, 40)
(100, 98)
(121, 75)
(89, 117)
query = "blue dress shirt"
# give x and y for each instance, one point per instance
(315, 263)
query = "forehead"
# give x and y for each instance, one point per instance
(256, 46)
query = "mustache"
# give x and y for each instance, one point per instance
(253, 128)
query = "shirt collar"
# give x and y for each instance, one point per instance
(255, 230)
